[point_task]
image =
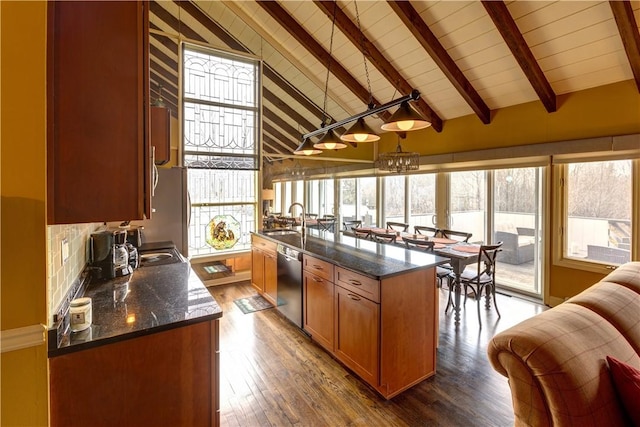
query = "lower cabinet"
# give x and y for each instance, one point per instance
(357, 333)
(165, 378)
(318, 304)
(385, 331)
(264, 268)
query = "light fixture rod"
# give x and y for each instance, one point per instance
(413, 96)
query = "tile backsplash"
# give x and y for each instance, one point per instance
(60, 277)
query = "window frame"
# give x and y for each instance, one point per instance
(560, 216)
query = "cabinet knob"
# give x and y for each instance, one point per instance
(355, 282)
(354, 297)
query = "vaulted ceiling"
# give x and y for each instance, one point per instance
(464, 57)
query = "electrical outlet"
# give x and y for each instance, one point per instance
(64, 250)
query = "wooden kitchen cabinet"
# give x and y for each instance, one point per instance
(168, 378)
(98, 152)
(357, 333)
(161, 134)
(264, 268)
(318, 303)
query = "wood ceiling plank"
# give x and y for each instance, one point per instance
(430, 43)
(507, 27)
(628, 28)
(279, 14)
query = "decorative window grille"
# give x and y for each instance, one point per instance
(221, 148)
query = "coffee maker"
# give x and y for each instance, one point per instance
(108, 255)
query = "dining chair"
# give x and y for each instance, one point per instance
(398, 226)
(442, 273)
(481, 279)
(326, 224)
(461, 236)
(427, 231)
(351, 224)
(384, 236)
(361, 234)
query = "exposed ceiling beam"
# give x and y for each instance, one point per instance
(285, 141)
(628, 28)
(364, 45)
(288, 110)
(282, 124)
(292, 112)
(507, 27)
(274, 145)
(420, 30)
(171, 63)
(278, 13)
(270, 74)
(164, 40)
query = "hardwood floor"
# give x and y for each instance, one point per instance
(272, 374)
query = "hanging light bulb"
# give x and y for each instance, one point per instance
(307, 148)
(405, 119)
(360, 132)
(330, 142)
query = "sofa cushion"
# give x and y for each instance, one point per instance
(626, 379)
(616, 303)
(554, 346)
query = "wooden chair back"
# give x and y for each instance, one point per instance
(351, 224)
(398, 226)
(383, 237)
(427, 231)
(461, 236)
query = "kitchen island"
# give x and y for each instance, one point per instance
(150, 357)
(374, 307)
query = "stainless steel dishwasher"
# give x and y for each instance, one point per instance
(290, 283)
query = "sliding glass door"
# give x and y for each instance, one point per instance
(503, 205)
(517, 223)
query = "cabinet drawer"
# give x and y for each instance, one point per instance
(361, 285)
(263, 244)
(318, 267)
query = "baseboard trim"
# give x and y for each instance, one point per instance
(19, 338)
(239, 276)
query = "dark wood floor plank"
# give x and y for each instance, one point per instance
(272, 374)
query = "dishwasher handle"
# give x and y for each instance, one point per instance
(288, 253)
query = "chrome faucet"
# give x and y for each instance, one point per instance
(303, 221)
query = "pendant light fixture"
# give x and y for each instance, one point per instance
(398, 161)
(307, 148)
(360, 131)
(405, 119)
(329, 141)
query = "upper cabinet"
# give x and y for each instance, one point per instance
(161, 134)
(98, 150)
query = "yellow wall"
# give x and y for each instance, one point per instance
(23, 241)
(603, 111)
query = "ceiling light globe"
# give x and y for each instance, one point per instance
(406, 124)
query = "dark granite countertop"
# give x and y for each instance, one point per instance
(152, 299)
(376, 260)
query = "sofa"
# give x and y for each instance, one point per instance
(517, 245)
(556, 362)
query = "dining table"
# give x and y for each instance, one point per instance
(461, 254)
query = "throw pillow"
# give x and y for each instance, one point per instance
(626, 380)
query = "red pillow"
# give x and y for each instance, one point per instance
(626, 380)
